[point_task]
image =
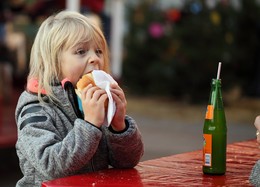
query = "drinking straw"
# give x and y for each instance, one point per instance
(219, 68)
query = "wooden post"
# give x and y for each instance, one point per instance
(73, 5)
(117, 25)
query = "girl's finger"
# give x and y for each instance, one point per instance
(98, 93)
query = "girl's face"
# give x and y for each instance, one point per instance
(80, 60)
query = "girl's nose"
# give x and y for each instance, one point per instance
(92, 57)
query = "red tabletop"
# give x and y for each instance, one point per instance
(177, 170)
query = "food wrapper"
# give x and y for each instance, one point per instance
(103, 81)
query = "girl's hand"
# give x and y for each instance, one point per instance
(118, 121)
(257, 125)
(93, 104)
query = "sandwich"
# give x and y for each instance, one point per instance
(84, 82)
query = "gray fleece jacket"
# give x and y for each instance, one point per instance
(54, 141)
(255, 174)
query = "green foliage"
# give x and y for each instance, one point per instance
(176, 52)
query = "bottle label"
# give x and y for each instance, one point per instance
(207, 150)
(210, 112)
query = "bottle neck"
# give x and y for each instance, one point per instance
(216, 96)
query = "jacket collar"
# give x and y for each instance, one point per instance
(33, 84)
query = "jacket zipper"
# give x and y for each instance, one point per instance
(72, 98)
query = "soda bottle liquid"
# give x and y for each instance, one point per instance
(215, 133)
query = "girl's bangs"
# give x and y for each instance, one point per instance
(83, 34)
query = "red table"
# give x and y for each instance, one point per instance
(177, 170)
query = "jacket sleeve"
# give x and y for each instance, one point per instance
(125, 149)
(255, 174)
(49, 148)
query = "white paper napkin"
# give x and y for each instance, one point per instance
(103, 81)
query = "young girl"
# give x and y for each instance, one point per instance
(54, 139)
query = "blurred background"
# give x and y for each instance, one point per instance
(164, 54)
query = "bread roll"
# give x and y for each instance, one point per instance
(84, 82)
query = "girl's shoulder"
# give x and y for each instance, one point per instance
(27, 100)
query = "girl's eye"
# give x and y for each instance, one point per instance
(81, 51)
(99, 52)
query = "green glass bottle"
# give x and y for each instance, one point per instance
(215, 133)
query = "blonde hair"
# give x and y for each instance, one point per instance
(60, 32)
